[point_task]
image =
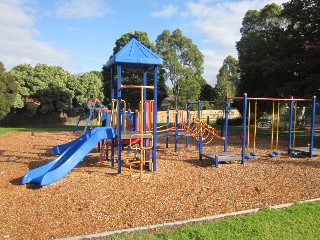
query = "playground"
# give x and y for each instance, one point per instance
(94, 198)
(62, 184)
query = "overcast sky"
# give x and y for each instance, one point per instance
(79, 35)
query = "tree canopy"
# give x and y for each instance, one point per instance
(183, 65)
(279, 50)
(56, 89)
(8, 92)
(227, 80)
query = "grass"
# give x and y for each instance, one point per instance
(298, 222)
(5, 130)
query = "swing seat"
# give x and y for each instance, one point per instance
(254, 154)
(293, 153)
(271, 155)
(248, 157)
(276, 152)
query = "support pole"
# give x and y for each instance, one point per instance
(314, 102)
(226, 118)
(155, 111)
(244, 132)
(119, 117)
(177, 131)
(290, 126)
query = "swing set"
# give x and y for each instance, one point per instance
(275, 126)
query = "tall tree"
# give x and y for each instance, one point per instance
(227, 80)
(303, 34)
(183, 63)
(133, 76)
(8, 92)
(261, 50)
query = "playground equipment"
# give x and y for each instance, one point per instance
(33, 101)
(94, 102)
(190, 126)
(143, 147)
(274, 147)
(134, 55)
(71, 154)
(227, 156)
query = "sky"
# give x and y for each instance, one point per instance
(79, 35)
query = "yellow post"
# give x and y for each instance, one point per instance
(248, 129)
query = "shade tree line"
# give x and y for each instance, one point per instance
(278, 56)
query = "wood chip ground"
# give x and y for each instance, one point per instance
(93, 198)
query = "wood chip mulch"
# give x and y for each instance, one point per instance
(93, 198)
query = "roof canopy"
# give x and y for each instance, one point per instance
(135, 55)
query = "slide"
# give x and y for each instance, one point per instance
(69, 158)
(62, 147)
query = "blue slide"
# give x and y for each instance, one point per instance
(72, 154)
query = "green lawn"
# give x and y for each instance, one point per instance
(4, 130)
(301, 221)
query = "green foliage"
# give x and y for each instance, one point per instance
(183, 63)
(56, 89)
(227, 81)
(279, 50)
(8, 92)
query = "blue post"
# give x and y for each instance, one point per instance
(188, 124)
(200, 130)
(112, 84)
(244, 132)
(226, 119)
(290, 126)
(111, 117)
(155, 111)
(314, 102)
(119, 117)
(177, 132)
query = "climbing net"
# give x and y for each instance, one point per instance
(197, 128)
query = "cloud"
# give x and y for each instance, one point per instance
(81, 9)
(219, 23)
(167, 11)
(18, 43)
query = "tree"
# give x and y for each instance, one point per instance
(54, 87)
(183, 62)
(8, 92)
(227, 81)
(303, 34)
(134, 76)
(279, 50)
(92, 84)
(207, 93)
(261, 50)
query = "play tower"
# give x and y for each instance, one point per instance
(135, 55)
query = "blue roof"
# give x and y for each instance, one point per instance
(135, 55)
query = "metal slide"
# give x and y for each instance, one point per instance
(70, 157)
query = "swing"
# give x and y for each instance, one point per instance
(254, 153)
(274, 152)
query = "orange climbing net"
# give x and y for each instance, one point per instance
(197, 128)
